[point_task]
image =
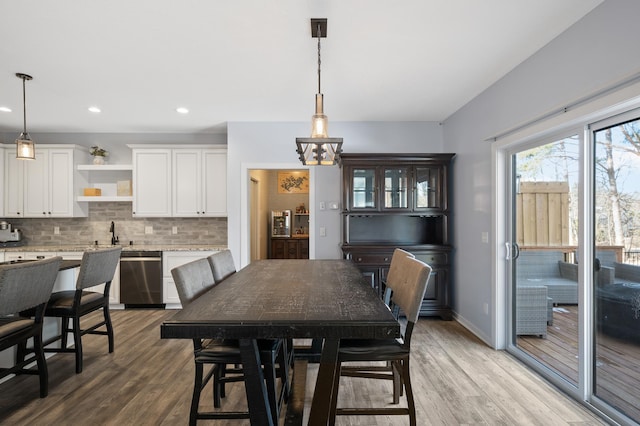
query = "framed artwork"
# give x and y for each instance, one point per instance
(296, 182)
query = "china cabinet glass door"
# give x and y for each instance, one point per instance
(395, 188)
(427, 192)
(364, 188)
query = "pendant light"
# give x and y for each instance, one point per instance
(25, 149)
(319, 149)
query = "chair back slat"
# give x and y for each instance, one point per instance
(98, 267)
(222, 265)
(26, 285)
(192, 279)
(394, 271)
(410, 287)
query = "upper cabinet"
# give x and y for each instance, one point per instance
(199, 183)
(383, 185)
(190, 181)
(151, 182)
(44, 187)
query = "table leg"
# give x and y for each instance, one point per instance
(255, 388)
(324, 393)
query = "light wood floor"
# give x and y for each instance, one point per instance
(148, 381)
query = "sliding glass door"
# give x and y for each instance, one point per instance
(573, 256)
(616, 334)
(545, 302)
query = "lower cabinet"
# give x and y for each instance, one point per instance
(289, 248)
(374, 262)
(170, 260)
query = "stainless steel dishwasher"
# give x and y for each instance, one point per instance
(141, 279)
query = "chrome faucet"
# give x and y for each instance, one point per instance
(114, 239)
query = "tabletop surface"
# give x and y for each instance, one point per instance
(287, 298)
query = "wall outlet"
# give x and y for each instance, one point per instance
(56, 230)
(322, 205)
(485, 308)
(174, 230)
(485, 237)
(323, 231)
(148, 229)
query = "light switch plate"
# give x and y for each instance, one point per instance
(333, 205)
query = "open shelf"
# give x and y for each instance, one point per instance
(100, 198)
(105, 167)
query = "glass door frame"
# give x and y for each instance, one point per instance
(583, 122)
(509, 152)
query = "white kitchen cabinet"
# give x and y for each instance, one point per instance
(199, 186)
(2, 155)
(44, 187)
(13, 186)
(214, 177)
(170, 260)
(189, 181)
(151, 182)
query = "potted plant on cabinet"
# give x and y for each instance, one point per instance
(98, 154)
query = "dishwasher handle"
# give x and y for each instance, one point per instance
(140, 259)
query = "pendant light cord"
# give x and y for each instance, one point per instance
(319, 34)
(24, 105)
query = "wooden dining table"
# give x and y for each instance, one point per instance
(308, 299)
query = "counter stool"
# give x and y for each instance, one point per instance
(26, 286)
(97, 267)
(193, 279)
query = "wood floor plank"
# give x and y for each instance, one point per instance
(148, 381)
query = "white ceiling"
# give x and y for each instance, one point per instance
(255, 60)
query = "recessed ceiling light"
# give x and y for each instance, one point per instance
(94, 109)
(182, 110)
(5, 109)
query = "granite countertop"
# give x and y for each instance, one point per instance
(139, 247)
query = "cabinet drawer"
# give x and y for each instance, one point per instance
(433, 258)
(371, 259)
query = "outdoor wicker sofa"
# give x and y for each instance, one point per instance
(548, 268)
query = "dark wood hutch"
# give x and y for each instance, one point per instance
(399, 200)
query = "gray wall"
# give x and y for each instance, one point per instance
(596, 52)
(272, 145)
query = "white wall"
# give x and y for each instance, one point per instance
(254, 145)
(597, 52)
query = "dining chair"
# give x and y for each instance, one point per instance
(408, 292)
(223, 266)
(192, 280)
(382, 371)
(394, 271)
(26, 286)
(97, 267)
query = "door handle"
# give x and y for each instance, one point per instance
(516, 251)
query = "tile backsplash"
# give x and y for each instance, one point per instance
(95, 227)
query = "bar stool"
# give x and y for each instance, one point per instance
(26, 287)
(97, 267)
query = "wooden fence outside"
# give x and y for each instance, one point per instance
(542, 214)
